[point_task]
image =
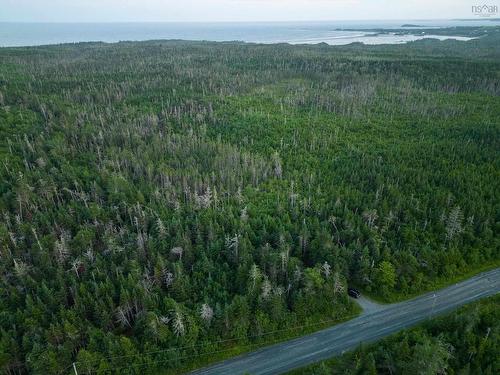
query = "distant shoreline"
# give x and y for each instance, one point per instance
(338, 33)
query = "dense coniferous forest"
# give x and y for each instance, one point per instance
(466, 342)
(164, 199)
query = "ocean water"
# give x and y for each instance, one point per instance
(31, 34)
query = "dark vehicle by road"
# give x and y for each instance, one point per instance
(354, 293)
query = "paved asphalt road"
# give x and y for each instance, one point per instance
(368, 327)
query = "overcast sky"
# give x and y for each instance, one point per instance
(231, 10)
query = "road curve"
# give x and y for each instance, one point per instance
(368, 327)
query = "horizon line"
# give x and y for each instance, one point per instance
(261, 21)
